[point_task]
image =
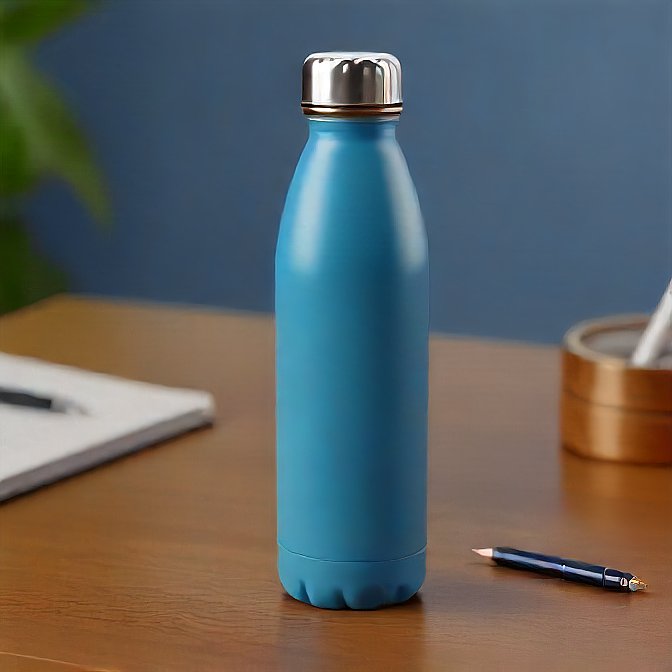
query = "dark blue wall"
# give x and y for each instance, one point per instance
(539, 135)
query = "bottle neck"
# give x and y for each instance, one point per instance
(359, 127)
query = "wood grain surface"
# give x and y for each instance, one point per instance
(165, 560)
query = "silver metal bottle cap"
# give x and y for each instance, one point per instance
(351, 82)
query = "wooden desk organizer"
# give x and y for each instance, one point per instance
(611, 410)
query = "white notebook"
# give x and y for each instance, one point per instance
(117, 416)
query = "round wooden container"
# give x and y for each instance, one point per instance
(609, 409)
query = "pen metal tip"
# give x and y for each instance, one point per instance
(637, 584)
(485, 552)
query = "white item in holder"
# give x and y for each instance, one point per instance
(657, 334)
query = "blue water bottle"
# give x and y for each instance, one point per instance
(352, 313)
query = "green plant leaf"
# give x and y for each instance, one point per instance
(25, 21)
(54, 143)
(25, 276)
(18, 173)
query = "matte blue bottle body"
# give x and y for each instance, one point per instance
(352, 330)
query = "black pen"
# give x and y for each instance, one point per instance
(29, 400)
(563, 568)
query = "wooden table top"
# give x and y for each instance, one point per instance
(165, 560)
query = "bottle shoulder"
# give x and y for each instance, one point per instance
(354, 203)
(354, 177)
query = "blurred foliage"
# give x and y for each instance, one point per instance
(39, 140)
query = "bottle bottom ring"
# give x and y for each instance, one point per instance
(330, 584)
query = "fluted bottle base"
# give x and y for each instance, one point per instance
(350, 585)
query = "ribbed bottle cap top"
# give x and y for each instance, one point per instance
(351, 82)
